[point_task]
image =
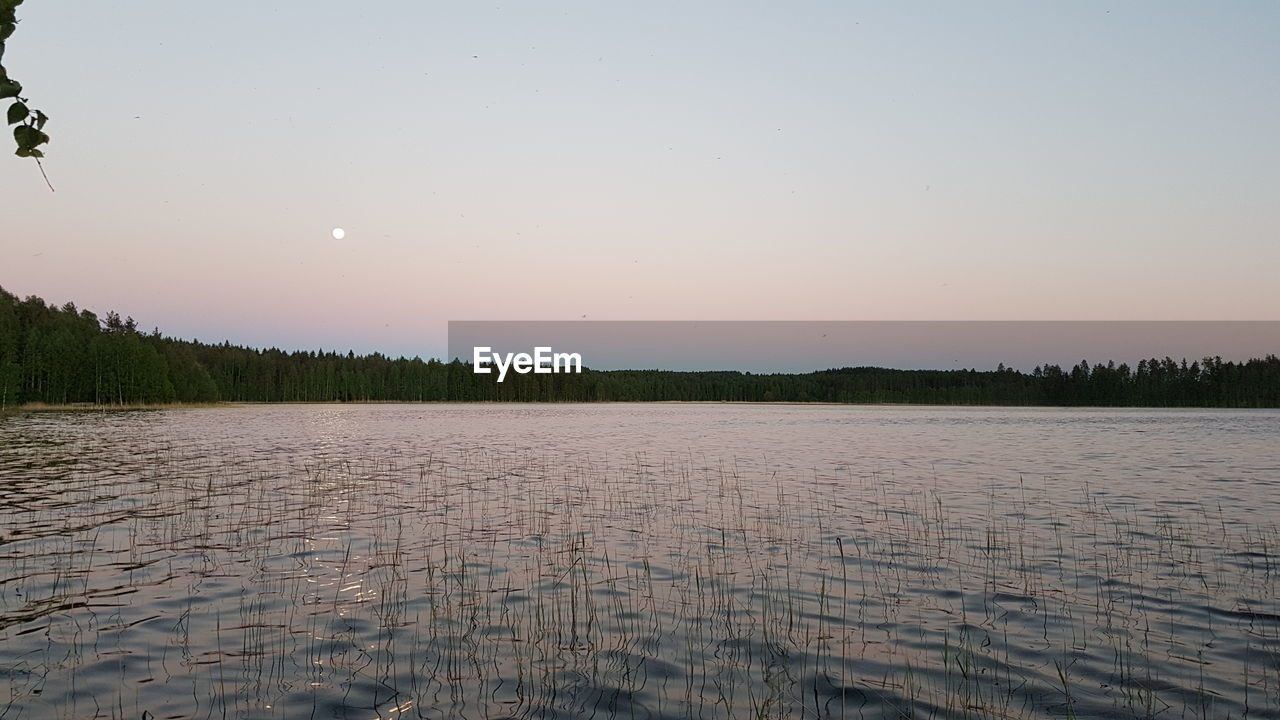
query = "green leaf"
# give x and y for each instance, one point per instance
(9, 88)
(41, 119)
(26, 136)
(17, 112)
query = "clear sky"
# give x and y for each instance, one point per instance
(643, 161)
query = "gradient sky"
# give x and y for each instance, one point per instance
(655, 161)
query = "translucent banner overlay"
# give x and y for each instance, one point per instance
(804, 346)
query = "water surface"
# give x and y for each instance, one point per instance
(655, 561)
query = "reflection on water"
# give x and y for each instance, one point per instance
(639, 561)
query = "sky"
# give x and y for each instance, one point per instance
(643, 161)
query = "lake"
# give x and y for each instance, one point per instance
(639, 561)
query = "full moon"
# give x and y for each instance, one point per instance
(339, 233)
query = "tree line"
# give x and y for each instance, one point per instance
(65, 355)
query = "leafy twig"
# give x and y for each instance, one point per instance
(29, 132)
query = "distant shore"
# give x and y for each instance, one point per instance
(37, 407)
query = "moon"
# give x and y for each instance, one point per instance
(339, 233)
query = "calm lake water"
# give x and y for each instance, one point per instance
(648, 561)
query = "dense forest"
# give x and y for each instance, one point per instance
(63, 355)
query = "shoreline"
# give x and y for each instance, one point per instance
(38, 407)
(156, 407)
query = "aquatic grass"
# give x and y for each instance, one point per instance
(495, 582)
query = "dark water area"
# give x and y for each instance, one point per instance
(640, 561)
